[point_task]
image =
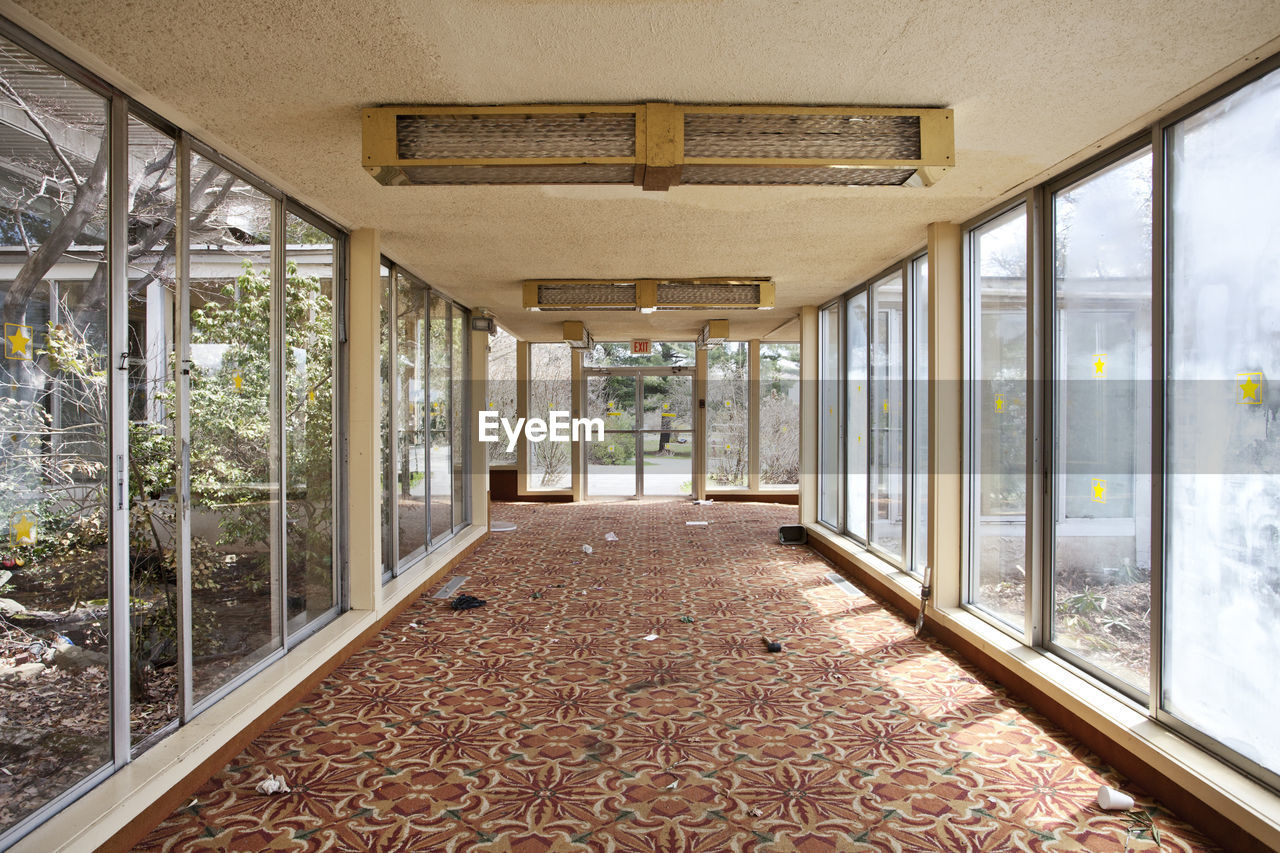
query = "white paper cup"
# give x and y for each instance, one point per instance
(1111, 799)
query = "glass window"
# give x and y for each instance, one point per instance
(458, 413)
(387, 468)
(829, 415)
(918, 393)
(857, 393)
(440, 407)
(500, 392)
(886, 415)
(779, 415)
(1102, 364)
(550, 389)
(727, 415)
(997, 568)
(309, 355)
(1222, 562)
(235, 483)
(411, 418)
(54, 472)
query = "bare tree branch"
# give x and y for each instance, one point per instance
(13, 95)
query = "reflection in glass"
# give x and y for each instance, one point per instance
(999, 405)
(1222, 564)
(1102, 428)
(54, 461)
(727, 415)
(411, 433)
(857, 439)
(779, 415)
(234, 484)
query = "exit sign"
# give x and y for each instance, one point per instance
(639, 347)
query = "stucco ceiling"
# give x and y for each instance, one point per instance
(279, 86)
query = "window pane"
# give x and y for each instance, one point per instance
(440, 466)
(234, 483)
(919, 392)
(153, 454)
(1222, 581)
(887, 415)
(997, 562)
(411, 428)
(501, 392)
(386, 470)
(727, 420)
(829, 416)
(1102, 427)
(611, 463)
(550, 390)
(54, 479)
(856, 396)
(309, 426)
(779, 415)
(458, 413)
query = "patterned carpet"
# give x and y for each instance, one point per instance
(548, 721)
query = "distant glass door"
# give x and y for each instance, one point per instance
(648, 439)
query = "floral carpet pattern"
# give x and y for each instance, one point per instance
(549, 721)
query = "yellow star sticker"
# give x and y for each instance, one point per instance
(18, 340)
(999, 402)
(1099, 491)
(1249, 389)
(1100, 365)
(886, 405)
(237, 380)
(24, 530)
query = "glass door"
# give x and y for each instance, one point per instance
(666, 441)
(611, 464)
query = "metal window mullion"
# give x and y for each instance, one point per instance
(337, 410)
(448, 321)
(276, 467)
(182, 427)
(1037, 479)
(909, 322)
(1159, 410)
(391, 488)
(118, 472)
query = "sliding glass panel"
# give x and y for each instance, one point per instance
(727, 415)
(550, 389)
(54, 478)
(997, 581)
(500, 393)
(386, 468)
(1102, 419)
(1222, 566)
(856, 397)
(458, 414)
(153, 455)
(611, 463)
(310, 437)
(829, 416)
(779, 415)
(440, 464)
(411, 406)
(918, 392)
(667, 444)
(886, 415)
(234, 482)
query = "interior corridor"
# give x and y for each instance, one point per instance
(624, 700)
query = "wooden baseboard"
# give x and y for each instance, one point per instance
(151, 816)
(1186, 805)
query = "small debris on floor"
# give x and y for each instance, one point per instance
(466, 602)
(773, 645)
(587, 549)
(686, 619)
(272, 785)
(673, 785)
(704, 502)
(611, 537)
(651, 637)
(755, 813)
(536, 596)
(695, 524)
(1112, 800)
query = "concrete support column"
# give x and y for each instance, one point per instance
(809, 348)
(364, 438)
(946, 411)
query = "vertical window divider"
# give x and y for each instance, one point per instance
(753, 415)
(425, 426)
(910, 324)
(118, 484)
(276, 463)
(1039, 356)
(1159, 342)
(182, 427)
(391, 486)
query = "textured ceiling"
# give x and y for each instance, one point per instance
(279, 86)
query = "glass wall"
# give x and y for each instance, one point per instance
(1222, 562)
(500, 391)
(857, 393)
(829, 416)
(188, 407)
(425, 430)
(728, 415)
(998, 526)
(550, 389)
(887, 415)
(779, 415)
(918, 396)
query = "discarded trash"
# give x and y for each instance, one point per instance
(451, 587)
(672, 786)
(587, 549)
(611, 537)
(695, 524)
(272, 785)
(704, 502)
(651, 637)
(686, 619)
(466, 602)
(413, 624)
(773, 645)
(755, 812)
(536, 596)
(1111, 799)
(501, 526)
(792, 534)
